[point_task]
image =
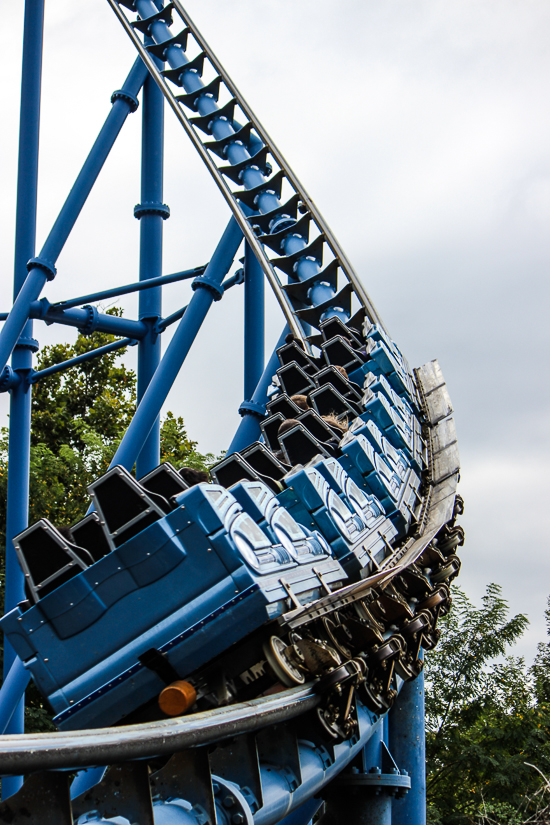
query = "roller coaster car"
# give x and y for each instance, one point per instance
(353, 522)
(193, 582)
(237, 592)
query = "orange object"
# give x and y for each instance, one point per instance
(177, 698)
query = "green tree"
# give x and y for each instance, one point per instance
(484, 720)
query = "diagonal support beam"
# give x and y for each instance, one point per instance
(13, 688)
(42, 269)
(207, 289)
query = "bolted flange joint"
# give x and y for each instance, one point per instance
(132, 101)
(9, 379)
(396, 783)
(151, 208)
(216, 289)
(44, 265)
(27, 343)
(92, 320)
(252, 408)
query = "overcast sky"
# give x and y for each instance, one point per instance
(422, 131)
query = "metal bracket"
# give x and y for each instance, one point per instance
(44, 797)
(187, 776)
(124, 791)
(237, 762)
(9, 379)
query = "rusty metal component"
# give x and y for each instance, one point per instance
(177, 698)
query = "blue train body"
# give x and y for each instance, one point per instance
(189, 577)
(206, 567)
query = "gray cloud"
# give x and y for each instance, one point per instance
(422, 132)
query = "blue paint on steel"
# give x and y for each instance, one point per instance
(304, 814)
(88, 319)
(249, 428)
(13, 688)
(122, 106)
(9, 379)
(139, 286)
(161, 325)
(86, 779)
(177, 350)
(20, 402)
(151, 213)
(408, 746)
(281, 229)
(38, 275)
(254, 322)
(80, 359)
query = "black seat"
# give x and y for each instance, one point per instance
(264, 462)
(334, 326)
(47, 559)
(89, 533)
(294, 352)
(235, 468)
(294, 380)
(348, 389)
(299, 446)
(328, 401)
(125, 506)
(270, 428)
(284, 405)
(165, 481)
(339, 352)
(319, 428)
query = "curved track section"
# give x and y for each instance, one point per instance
(282, 607)
(271, 754)
(263, 193)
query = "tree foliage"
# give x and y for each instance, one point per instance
(487, 715)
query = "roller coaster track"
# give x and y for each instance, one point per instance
(261, 759)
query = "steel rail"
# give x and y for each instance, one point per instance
(229, 196)
(214, 171)
(292, 178)
(64, 750)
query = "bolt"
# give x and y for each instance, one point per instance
(229, 801)
(237, 819)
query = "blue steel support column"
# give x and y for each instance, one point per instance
(254, 410)
(254, 322)
(207, 289)
(150, 212)
(20, 402)
(408, 746)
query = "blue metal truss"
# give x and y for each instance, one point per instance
(286, 242)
